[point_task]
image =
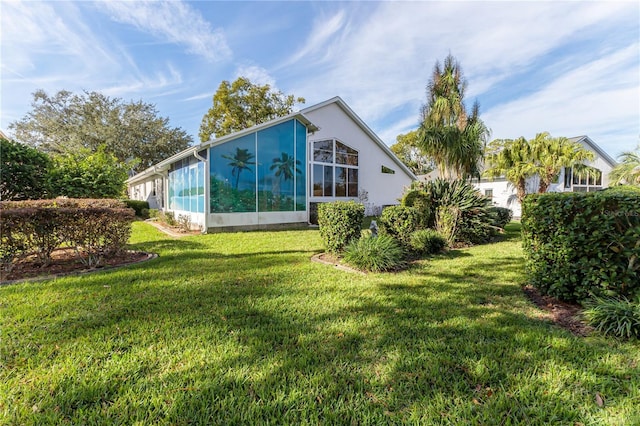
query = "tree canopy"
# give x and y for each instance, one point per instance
(449, 134)
(242, 104)
(68, 123)
(409, 152)
(24, 172)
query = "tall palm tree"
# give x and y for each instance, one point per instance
(551, 155)
(512, 159)
(628, 171)
(452, 137)
(240, 161)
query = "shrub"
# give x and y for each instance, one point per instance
(40, 227)
(340, 222)
(447, 221)
(184, 222)
(582, 244)
(24, 171)
(399, 222)
(427, 241)
(474, 224)
(139, 207)
(501, 216)
(374, 254)
(611, 316)
(167, 217)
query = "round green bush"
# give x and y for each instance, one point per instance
(399, 222)
(427, 241)
(374, 254)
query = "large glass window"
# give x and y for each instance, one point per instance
(335, 169)
(233, 176)
(186, 186)
(263, 171)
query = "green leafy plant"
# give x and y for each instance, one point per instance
(399, 222)
(474, 223)
(340, 222)
(579, 245)
(501, 216)
(374, 254)
(611, 316)
(139, 207)
(427, 241)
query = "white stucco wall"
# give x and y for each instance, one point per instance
(382, 188)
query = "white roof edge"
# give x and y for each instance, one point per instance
(342, 104)
(194, 149)
(596, 148)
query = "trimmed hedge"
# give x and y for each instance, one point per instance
(140, 207)
(340, 223)
(579, 245)
(399, 222)
(39, 227)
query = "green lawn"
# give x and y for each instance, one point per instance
(241, 328)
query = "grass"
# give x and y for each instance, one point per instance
(241, 328)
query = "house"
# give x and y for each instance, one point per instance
(503, 193)
(277, 172)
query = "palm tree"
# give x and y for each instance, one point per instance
(553, 154)
(628, 171)
(239, 161)
(512, 159)
(452, 137)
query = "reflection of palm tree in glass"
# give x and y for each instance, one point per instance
(284, 167)
(240, 161)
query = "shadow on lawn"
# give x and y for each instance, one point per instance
(247, 346)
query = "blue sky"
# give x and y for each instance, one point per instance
(570, 68)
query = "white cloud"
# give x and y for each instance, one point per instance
(585, 100)
(256, 75)
(174, 22)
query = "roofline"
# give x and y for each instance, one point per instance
(343, 105)
(596, 148)
(162, 166)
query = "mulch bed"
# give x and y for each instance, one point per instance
(563, 314)
(65, 262)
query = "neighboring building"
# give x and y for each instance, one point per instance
(503, 193)
(276, 172)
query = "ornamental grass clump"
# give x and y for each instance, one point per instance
(374, 254)
(611, 316)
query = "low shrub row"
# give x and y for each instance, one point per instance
(94, 229)
(579, 245)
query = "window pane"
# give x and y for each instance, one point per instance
(328, 181)
(301, 156)
(341, 182)
(346, 155)
(323, 151)
(232, 174)
(277, 168)
(599, 178)
(353, 183)
(318, 174)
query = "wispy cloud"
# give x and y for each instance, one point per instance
(585, 100)
(174, 22)
(256, 75)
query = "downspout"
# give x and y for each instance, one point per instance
(206, 191)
